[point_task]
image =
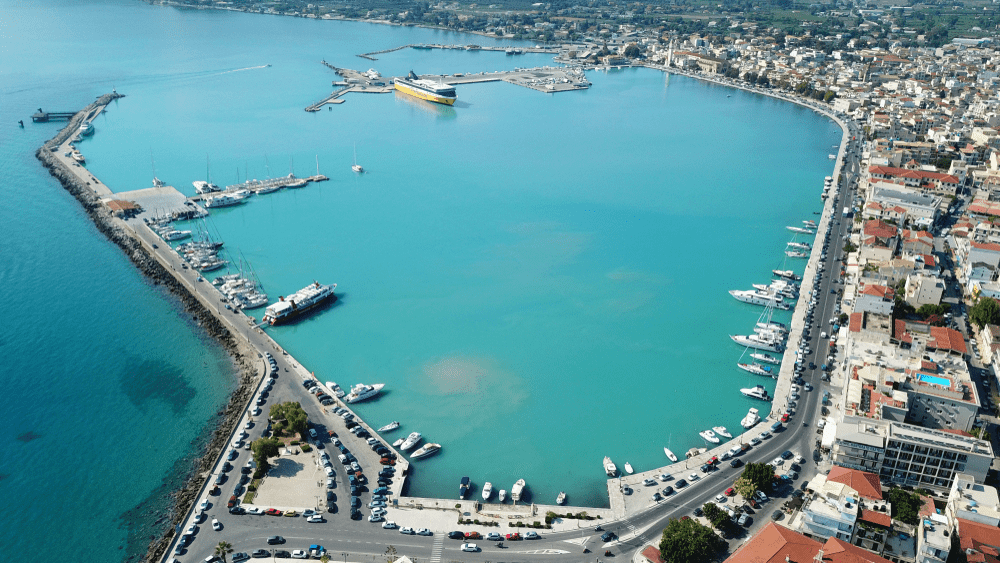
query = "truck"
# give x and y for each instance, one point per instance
(847, 212)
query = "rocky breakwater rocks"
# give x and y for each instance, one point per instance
(245, 358)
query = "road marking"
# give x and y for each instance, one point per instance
(436, 550)
(543, 552)
(577, 541)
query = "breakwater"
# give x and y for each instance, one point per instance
(242, 356)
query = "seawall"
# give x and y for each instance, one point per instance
(243, 357)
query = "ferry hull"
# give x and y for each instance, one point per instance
(298, 313)
(424, 95)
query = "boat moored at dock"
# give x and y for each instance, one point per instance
(756, 369)
(721, 431)
(463, 487)
(756, 392)
(516, 490)
(390, 427)
(709, 436)
(425, 451)
(298, 303)
(561, 499)
(628, 468)
(412, 440)
(609, 467)
(751, 419)
(363, 392)
(765, 358)
(760, 342)
(426, 89)
(487, 490)
(670, 455)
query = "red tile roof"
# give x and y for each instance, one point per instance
(839, 551)
(857, 322)
(879, 518)
(652, 554)
(985, 246)
(944, 338)
(927, 508)
(984, 540)
(914, 174)
(879, 228)
(954, 431)
(866, 484)
(882, 291)
(773, 544)
(899, 331)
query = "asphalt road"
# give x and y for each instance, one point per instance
(355, 541)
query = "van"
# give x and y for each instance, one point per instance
(776, 426)
(312, 433)
(735, 450)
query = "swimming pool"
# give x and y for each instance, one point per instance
(936, 380)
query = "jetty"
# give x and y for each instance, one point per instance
(545, 79)
(46, 116)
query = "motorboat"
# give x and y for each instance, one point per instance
(390, 427)
(502, 495)
(425, 451)
(757, 297)
(786, 274)
(487, 490)
(86, 128)
(709, 436)
(628, 468)
(751, 419)
(398, 442)
(756, 369)
(176, 235)
(363, 392)
(515, 491)
(561, 499)
(766, 358)
(721, 431)
(772, 326)
(759, 342)
(463, 487)
(77, 156)
(412, 440)
(670, 455)
(756, 392)
(609, 467)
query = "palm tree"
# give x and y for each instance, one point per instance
(223, 549)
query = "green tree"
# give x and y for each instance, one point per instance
(289, 415)
(758, 476)
(632, 51)
(715, 515)
(223, 549)
(985, 311)
(928, 309)
(905, 506)
(264, 448)
(688, 541)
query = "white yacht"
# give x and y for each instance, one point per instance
(412, 440)
(709, 436)
(756, 392)
(795, 254)
(86, 128)
(755, 297)
(628, 468)
(800, 245)
(227, 199)
(363, 392)
(766, 358)
(756, 369)
(801, 230)
(751, 419)
(772, 326)
(502, 495)
(721, 431)
(786, 274)
(175, 235)
(487, 490)
(670, 455)
(515, 491)
(398, 442)
(425, 451)
(561, 499)
(390, 427)
(609, 467)
(759, 342)
(203, 187)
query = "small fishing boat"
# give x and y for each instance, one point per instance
(609, 467)
(670, 455)
(721, 431)
(390, 427)
(515, 491)
(628, 468)
(561, 499)
(487, 490)
(502, 495)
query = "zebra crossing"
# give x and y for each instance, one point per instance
(436, 550)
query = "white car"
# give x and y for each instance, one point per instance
(424, 532)
(300, 554)
(721, 499)
(799, 459)
(375, 518)
(255, 510)
(406, 530)
(470, 547)
(389, 525)
(204, 504)
(216, 525)
(378, 511)
(693, 477)
(315, 518)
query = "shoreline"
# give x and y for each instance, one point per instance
(247, 375)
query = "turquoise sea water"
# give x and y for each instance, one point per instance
(540, 280)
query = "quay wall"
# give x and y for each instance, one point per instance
(242, 357)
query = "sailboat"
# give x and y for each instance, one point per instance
(356, 167)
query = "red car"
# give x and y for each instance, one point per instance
(473, 536)
(232, 501)
(784, 418)
(273, 512)
(730, 492)
(514, 537)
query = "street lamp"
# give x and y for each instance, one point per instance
(345, 557)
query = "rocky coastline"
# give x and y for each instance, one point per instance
(242, 355)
